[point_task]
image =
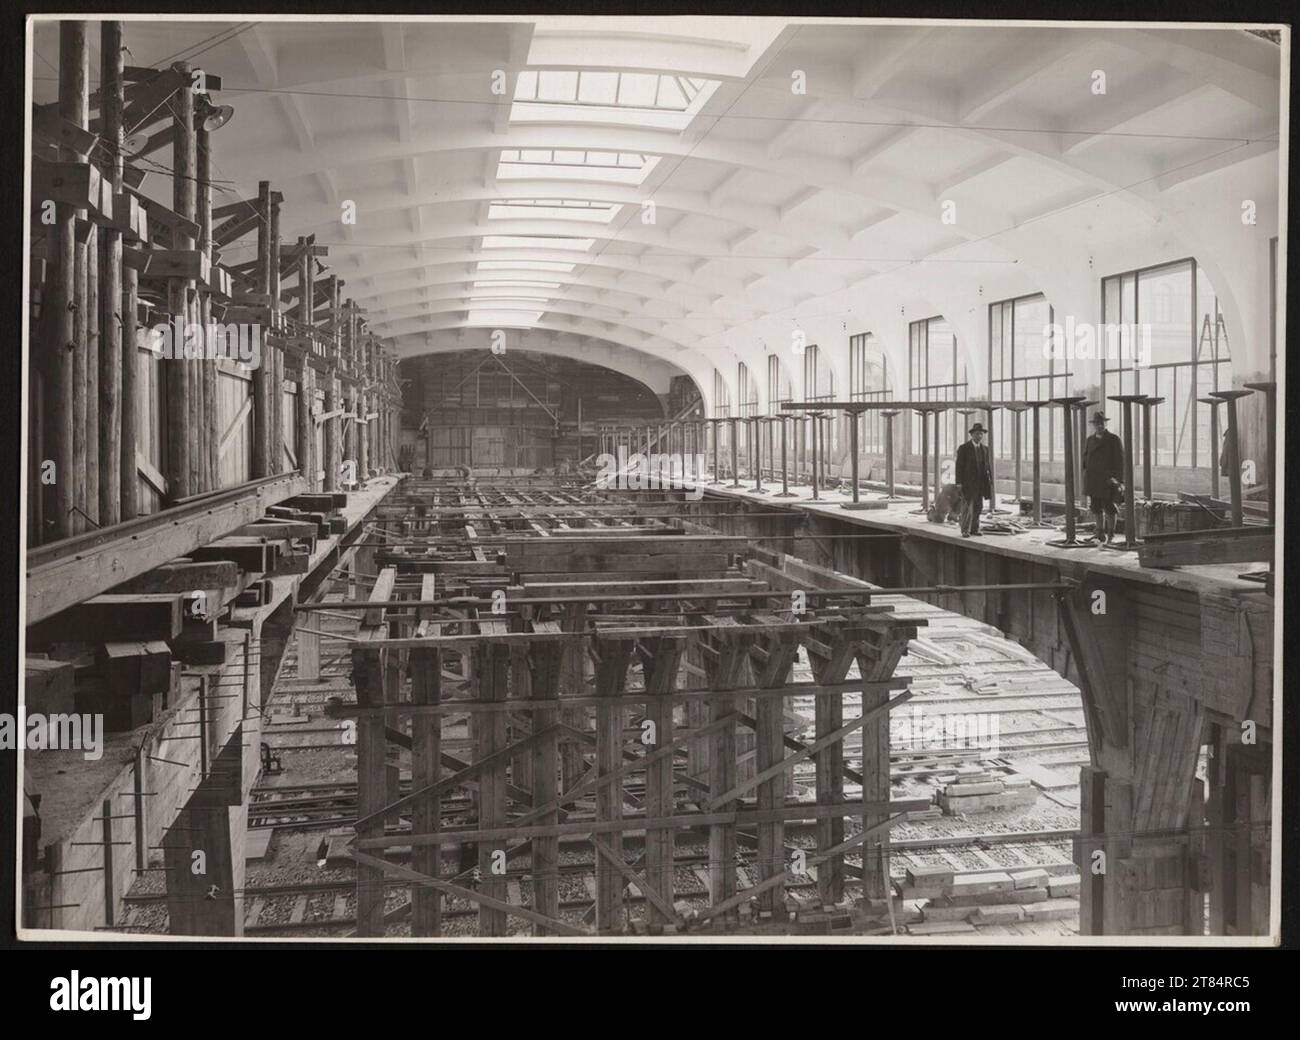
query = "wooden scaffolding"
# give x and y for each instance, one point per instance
(624, 685)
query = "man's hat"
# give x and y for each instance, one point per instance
(1099, 417)
(977, 428)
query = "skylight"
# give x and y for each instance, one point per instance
(555, 266)
(565, 164)
(537, 242)
(511, 294)
(554, 209)
(650, 99)
(507, 283)
(498, 318)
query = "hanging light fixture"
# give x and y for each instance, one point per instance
(211, 117)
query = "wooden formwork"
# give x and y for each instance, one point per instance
(642, 657)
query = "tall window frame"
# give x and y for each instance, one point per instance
(779, 387)
(1012, 377)
(747, 392)
(869, 381)
(819, 385)
(936, 372)
(1149, 298)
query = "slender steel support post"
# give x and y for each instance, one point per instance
(756, 439)
(715, 423)
(1068, 405)
(1081, 435)
(965, 414)
(938, 442)
(771, 458)
(993, 464)
(735, 450)
(853, 451)
(1130, 505)
(1215, 446)
(785, 468)
(1017, 446)
(1234, 450)
(925, 460)
(1148, 406)
(1037, 407)
(889, 453)
(815, 416)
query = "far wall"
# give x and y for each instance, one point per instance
(518, 411)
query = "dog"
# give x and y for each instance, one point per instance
(948, 506)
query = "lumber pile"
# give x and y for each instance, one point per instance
(977, 792)
(938, 900)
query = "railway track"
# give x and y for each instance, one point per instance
(270, 900)
(338, 808)
(1016, 840)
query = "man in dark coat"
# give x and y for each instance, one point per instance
(975, 478)
(1103, 474)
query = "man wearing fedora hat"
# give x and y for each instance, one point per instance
(975, 476)
(1103, 472)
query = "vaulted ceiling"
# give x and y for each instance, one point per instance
(664, 189)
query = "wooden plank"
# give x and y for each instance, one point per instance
(235, 426)
(308, 653)
(485, 902)
(380, 592)
(279, 529)
(184, 576)
(657, 901)
(150, 473)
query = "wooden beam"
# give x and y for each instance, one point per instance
(110, 297)
(637, 822)
(183, 576)
(1202, 548)
(111, 618)
(484, 901)
(426, 769)
(653, 897)
(76, 569)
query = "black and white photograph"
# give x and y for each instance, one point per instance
(632, 480)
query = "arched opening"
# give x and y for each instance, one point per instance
(517, 412)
